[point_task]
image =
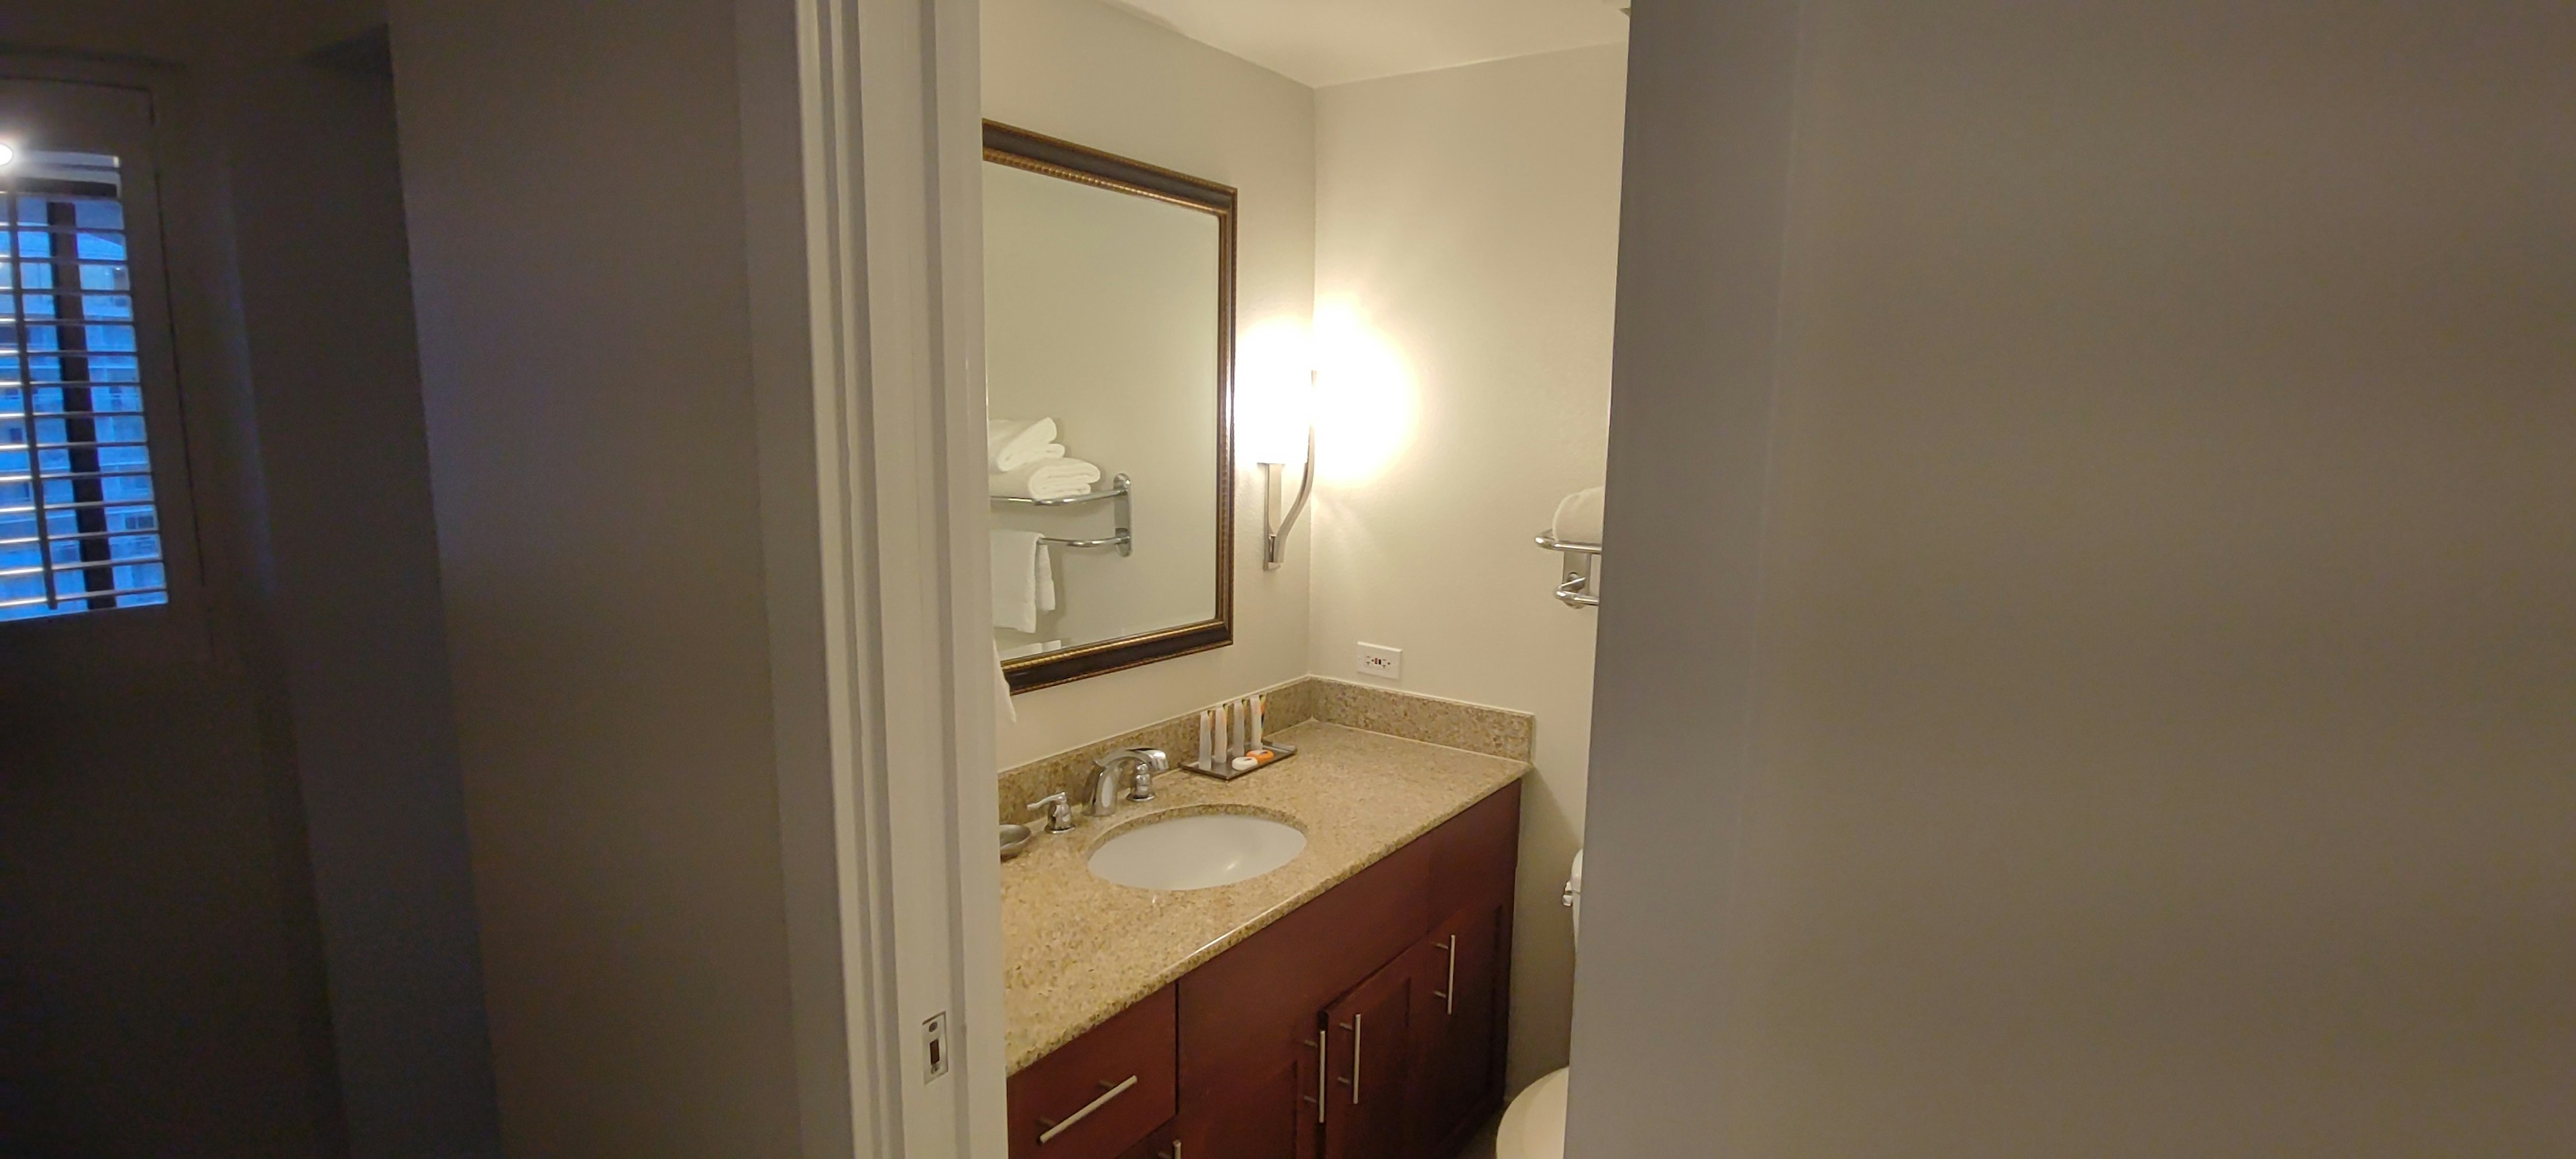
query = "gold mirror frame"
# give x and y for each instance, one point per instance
(1021, 149)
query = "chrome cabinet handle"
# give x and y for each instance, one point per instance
(1450, 995)
(1323, 1070)
(1053, 1129)
(1353, 1082)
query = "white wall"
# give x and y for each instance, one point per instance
(1080, 71)
(1467, 222)
(2155, 741)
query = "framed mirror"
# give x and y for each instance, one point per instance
(1109, 356)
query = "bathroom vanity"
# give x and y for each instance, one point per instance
(1350, 1004)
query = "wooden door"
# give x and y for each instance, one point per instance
(1369, 1061)
(1457, 1027)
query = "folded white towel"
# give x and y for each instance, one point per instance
(1011, 443)
(1578, 518)
(1015, 579)
(1050, 479)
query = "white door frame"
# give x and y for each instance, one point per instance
(863, 153)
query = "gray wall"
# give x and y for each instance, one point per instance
(360, 644)
(235, 901)
(2137, 721)
(575, 189)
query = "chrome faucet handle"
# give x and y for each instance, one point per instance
(1059, 811)
(1150, 763)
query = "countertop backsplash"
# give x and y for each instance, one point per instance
(1476, 728)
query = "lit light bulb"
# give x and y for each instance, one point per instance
(8, 153)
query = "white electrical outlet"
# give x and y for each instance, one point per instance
(1381, 661)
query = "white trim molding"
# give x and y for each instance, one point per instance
(863, 142)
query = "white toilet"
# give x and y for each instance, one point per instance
(1534, 1125)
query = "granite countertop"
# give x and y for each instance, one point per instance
(1077, 949)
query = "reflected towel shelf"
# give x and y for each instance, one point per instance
(1118, 493)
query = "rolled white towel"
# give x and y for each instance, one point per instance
(1048, 479)
(1578, 517)
(1010, 444)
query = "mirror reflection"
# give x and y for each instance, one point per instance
(1108, 297)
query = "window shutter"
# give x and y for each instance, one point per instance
(80, 530)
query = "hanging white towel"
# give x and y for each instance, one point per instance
(1046, 577)
(1015, 579)
(1010, 444)
(1578, 518)
(1049, 479)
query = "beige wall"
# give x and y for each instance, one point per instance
(1079, 70)
(1468, 218)
(2156, 741)
(586, 364)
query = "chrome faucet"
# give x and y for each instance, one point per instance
(1104, 778)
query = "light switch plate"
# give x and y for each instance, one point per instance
(1381, 661)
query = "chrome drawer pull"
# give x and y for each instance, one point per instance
(1054, 1129)
(1323, 1068)
(1450, 995)
(1354, 1025)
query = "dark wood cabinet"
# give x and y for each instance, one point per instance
(1367, 1023)
(1100, 1094)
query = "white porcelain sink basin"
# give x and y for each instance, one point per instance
(1197, 852)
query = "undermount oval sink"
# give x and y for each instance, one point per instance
(1202, 851)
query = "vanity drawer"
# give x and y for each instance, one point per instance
(1102, 1093)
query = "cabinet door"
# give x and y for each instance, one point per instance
(1369, 1062)
(1255, 1117)
(1162, 1144)
(1457, 1028)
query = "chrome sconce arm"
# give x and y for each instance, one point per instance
(1274, 540)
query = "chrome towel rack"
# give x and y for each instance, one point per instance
(1582, 564)
(1119, 490)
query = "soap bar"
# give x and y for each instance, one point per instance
(1246, 764)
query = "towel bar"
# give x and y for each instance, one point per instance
(1582, 563)
(1118, 493)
